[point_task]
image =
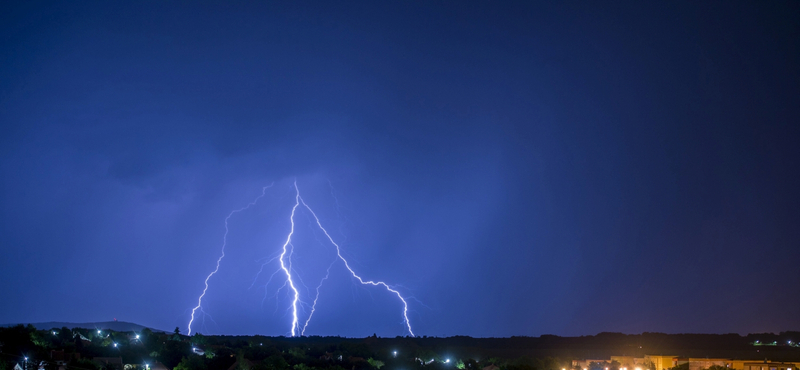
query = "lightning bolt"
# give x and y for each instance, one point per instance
(222, 254)
(314, 305)
(346, 265)
(282, 259)
(285, 260)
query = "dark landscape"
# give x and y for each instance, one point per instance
(400, 185)
(78, 344)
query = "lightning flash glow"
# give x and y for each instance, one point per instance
(285, 261)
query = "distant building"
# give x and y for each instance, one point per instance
(766, 365)
(60, 357)
(589, 363)
(703, 363)
(662, 362)
(82, 337)
(668, 362)
(631, 363)
(103, 361)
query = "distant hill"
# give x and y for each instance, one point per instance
(106, 325)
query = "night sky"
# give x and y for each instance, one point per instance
(511, 168)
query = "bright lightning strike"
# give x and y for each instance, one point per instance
(347, 265)
(282, 259)
(316, 298)
(222, 255)
(285, 260)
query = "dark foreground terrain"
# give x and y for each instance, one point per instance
(99, 347)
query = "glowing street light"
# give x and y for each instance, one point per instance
(394, 353)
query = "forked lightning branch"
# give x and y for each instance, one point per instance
(290, 275)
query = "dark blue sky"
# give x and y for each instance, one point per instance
(518, 168)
